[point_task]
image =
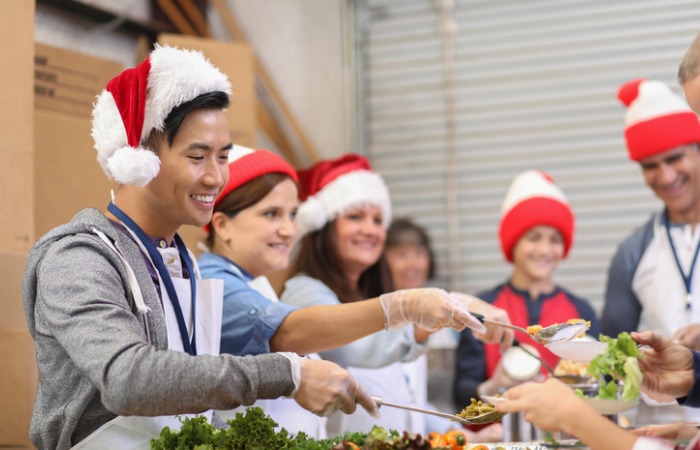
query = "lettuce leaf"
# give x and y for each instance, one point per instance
(619, 361)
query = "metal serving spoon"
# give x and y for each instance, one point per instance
(488, 417)
(559, 332)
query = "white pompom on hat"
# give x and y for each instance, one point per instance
(657, 120)
(332, 187)
(533, 200)
(139, 100)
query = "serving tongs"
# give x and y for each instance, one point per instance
(560, 332)
(488, 417)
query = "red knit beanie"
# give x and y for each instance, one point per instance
(657, 120)
(532, 200)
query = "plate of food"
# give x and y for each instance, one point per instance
(608, 407)
(578, 350)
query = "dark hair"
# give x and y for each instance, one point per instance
(245, 196)
(404, 231)
(317, 257)
(172, 123)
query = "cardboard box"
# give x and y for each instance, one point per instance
(67, 176)
(16, 182)
(18, 384)
(12, 266)
(53, 172)
(237, 61)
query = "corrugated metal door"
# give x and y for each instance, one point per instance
(458, 97)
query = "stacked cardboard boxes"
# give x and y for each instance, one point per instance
(51, 173)
(17, 367)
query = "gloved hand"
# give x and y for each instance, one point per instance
(494, 333)
(324, 387)
(429, 308)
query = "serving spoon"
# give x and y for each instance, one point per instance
(559, 332)
(488, 417)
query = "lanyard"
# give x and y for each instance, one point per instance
(157, 259)
(687, 279)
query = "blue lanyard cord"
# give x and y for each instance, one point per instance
(687, 279)
(190, 347)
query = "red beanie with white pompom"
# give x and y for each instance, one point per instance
(657, 120)
(533, 200)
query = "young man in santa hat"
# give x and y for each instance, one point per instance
(536, 232)
(653, 280)
(123, 324)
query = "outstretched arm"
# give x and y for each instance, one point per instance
(553, 406)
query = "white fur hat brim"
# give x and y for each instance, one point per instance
(357, 188)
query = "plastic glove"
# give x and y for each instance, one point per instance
(324, 387)
(494, 333)
(429, 308)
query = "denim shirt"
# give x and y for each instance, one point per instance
(249, 319)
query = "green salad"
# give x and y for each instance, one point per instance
(255, 430)
(620, 360)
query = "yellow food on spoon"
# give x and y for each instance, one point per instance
(533, 329)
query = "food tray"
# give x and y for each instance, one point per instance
(529, 445)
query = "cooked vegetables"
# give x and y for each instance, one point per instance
(476, 408)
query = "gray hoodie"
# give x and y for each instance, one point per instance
(94, 356)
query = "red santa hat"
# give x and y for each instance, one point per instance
(332, 187)
(532, 200)
(657, 120)
(139, 100)
(246, 164)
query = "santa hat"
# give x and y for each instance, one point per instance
(533, 199)
(139, 100)
(657, 120)
(246, 164)
(332, 187)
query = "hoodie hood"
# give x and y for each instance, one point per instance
(82, 223)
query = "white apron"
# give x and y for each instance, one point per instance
(285, 411)
(389, 383)
(135, 432)
(661, 291)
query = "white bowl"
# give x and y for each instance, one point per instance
(579, 350)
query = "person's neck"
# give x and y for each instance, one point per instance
(149, 222)
(534, 288)
(223, 249)
(353, 279)
(691, 218)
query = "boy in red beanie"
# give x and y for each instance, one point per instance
(536, 233)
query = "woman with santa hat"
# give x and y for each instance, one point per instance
(342, 222)
(250, 236)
